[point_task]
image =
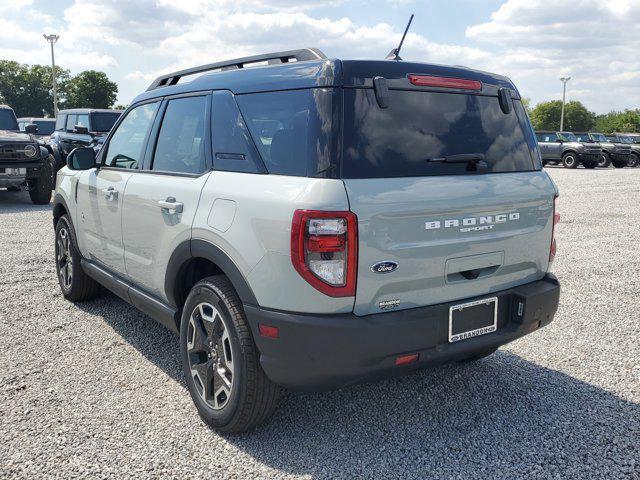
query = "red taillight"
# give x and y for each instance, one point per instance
(444, 82)
(556, 220)
(324, 250)
(406, 359)
(268, 331)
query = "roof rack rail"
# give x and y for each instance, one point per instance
(236, 63)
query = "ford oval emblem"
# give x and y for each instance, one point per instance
(384, 267)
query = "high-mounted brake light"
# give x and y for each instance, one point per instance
(556, 220)
(324, 250)
(444, 82)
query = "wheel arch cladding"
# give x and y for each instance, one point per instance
(59, 208)
(196, 259)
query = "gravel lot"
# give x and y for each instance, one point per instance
(96, 389)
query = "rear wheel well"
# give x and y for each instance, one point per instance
(191, 273)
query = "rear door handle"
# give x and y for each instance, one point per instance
(110, 194)
(171, 206)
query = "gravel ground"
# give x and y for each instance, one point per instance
(96, 389)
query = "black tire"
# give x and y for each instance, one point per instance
(79, 286)
(605, 160)
(618, 164)
(570, 160)
(634, 160)
(589, 164)
(211, 346)
(478, 356)
(40, 191)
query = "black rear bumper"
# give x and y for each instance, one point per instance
(317, 352)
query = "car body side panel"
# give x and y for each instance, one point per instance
(248, 216)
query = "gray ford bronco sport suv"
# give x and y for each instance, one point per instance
(24, 162)
(311, 223)
(612, 153)
(565, 147)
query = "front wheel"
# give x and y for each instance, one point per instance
(618, 164)
(75, 284)
(40, 188)
(220, 359)
(605, 160)
(570, 160)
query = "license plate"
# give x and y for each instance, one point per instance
(473, 319)
(13, 171)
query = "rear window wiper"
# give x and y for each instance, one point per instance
(459, 158)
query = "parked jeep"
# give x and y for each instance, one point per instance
(564, 147)
(612, 153)
(24, 162)
(79, 127)
(634, 156)
(44, 126)
(315, 223)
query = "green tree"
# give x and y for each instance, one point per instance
(27, 88)
(627, 121)
(90, 89)
(546, 116)
(120, 106)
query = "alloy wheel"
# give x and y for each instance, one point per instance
(210, 355)
(64, 258)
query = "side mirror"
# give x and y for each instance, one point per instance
(80, 129)
(31, 128)
(82, 158)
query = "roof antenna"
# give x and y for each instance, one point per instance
(395, 53)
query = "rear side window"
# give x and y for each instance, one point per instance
(295, 130)
(430, 133)
(126, 145)
(181, 144)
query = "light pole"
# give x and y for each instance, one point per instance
(564, 81)
(52, 39)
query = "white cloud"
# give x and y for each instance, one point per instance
(596, 42)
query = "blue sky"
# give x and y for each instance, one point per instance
(534, 42)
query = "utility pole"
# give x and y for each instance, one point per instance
(564, 81)
(52, 39)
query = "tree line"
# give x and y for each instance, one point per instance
(27, 89)
(577, 118)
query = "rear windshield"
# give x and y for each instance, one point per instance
(429, 133)
(8, 120)
(102, 122)
(45, 127)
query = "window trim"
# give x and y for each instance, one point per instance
(66, 122)
(152, 144)
(107, 143)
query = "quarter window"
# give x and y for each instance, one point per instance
(126, 146)
(181, 140)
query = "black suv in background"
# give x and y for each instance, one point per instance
(24, 162)
(634, 157)
(79, 127)
(44, 126)
(564, 147)
(616, 154)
